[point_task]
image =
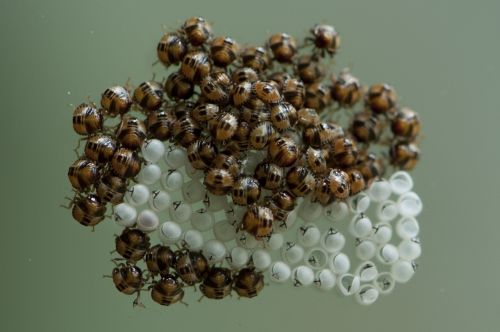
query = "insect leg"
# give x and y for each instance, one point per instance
(70, 204)
(137, 301)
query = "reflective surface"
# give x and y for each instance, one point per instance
(442, 58)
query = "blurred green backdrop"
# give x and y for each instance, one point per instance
(442, 57)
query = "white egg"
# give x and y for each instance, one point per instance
(339, 263)
(365, 249)
(292, 253)
(280, 272)
(325, 279)
(193, 239)
(308, 235)
(382, 233)
(360, 226)
(261, 259)
(170, 232)
(152, 150)
(214, 251)
(149, 174)
(147, 221)
(125, 214)
(388, 254)
(409, 249)
(402, 271)
(302, 276)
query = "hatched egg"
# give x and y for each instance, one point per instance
(159, 200)
(359, 203)
(216, 203)
(336, 211)
(384, 282)
(202, 220)
(382, 233)
(192, 239)
(193, 173)
(193, 191)
(176, 158)
(275, 241)
(172, 181)
(137, 194)
(180, 212)
(409, 249)
(310, 211)
(365, 249)
(349, 284)
(316, 258)
(224, 231)
(407, 228)
(308, 235)
(367, 271)
(238, 257)
(387, 211)
(380, 191)
(367, 295)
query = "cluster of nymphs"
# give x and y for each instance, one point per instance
(258, 131)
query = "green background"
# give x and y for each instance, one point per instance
(442, 57)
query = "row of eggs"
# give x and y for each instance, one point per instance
(312, 256)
